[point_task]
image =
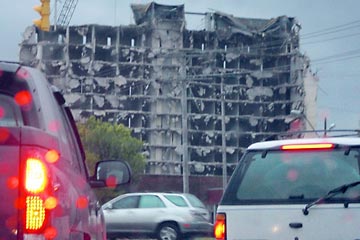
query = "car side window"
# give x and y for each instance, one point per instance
(127, 202)
(74, 151)
(177, 200)
(151, 201)
(10, 114)
(195, 202)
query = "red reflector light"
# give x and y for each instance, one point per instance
(308, 146)
(220, 226)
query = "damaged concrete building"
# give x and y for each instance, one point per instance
(197, 95)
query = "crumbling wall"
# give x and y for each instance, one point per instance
(239, 80)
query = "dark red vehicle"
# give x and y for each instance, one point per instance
(46, 190)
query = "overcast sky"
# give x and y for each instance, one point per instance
(330, 36)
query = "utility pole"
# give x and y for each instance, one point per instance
(55, 14)
(185, 157)
(115, 10)
(223, 137)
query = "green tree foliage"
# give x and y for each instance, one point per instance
(104, 141)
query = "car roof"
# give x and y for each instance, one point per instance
(345, 141)
(156, 193)
(9, 66)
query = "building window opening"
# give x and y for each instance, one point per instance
(132, 42)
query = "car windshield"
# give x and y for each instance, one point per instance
(293, 176)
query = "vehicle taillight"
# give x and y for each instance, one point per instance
(313, 146)
(36, 190)
(35, 213)
(36, 176)
(220, 226)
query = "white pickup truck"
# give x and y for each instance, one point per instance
(297, 189)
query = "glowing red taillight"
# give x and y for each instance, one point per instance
(36, 178)
(313, 146)
(220, 226)
(38, 153)
(35, 213)
(36, 191)
(36, 181)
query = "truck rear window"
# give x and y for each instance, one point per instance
(293, 176)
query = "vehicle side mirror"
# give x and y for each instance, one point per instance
(111, 173)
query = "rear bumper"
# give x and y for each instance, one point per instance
(200, 228)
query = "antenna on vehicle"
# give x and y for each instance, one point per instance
(299, 114)
(332, 126)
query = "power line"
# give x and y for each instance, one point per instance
(326, 30)
(339, 55)
(320, 34)
(340, 109)
(336, 60)
(330, 39)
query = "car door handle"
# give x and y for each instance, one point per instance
(295, 225)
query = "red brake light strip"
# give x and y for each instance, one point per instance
(308, 146)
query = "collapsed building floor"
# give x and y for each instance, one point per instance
(203, 96)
